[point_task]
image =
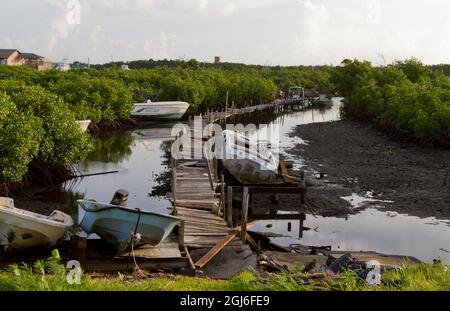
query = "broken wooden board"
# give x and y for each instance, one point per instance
(197, 204)
(215, 250)
(230, 262)
(292, 261)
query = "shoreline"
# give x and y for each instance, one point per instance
(358, 158)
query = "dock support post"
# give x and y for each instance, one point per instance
(181, 235)
(174, 186)
(300, 229)
(222, 195)
(230, 207)
(245, 201)
(216, 173)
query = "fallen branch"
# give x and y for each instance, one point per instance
(95, 174)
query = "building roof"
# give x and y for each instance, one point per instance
(31, 56)
(5, 53)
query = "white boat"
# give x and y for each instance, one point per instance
(249, 162)
(84, 124)
(20, 229)
(120, 225)
(170, 110)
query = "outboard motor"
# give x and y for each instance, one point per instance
(120, 198)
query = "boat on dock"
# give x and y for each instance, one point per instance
(20, 229)
(248, 161)
(165, 111)
(124, 227)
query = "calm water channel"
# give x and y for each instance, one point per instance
(138, 156)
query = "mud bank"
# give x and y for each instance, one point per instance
(358, 158)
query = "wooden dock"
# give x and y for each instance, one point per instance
(196, 202)
(204, 203)
(234, 114)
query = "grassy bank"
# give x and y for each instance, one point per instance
(50, 275)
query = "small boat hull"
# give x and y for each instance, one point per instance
(116, 225)
(21, 229)
(160, 111)
(249, 172)
(247, 161)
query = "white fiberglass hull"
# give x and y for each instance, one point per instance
(247, 161)
(249, 172)
(160, 110)
(21, 229)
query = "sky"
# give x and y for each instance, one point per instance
(266, 32)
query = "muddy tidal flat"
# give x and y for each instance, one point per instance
(360, 159)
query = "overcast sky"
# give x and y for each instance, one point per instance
(274, 32)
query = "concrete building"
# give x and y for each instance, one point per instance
(217, 60)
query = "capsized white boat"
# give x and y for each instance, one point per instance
(249, 162)
(169, 110)
(20, 229)
(120, 225)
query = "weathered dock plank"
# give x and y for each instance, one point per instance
(198, 205)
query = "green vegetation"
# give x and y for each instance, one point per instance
(38, 109)
(38, 134)
(406, 98)
(105, 94)
(51, 275)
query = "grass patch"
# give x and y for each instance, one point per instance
(50, 275)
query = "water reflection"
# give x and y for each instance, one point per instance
(110, 148)
(385, 232)
(140, 157)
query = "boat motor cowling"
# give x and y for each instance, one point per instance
(120, 198)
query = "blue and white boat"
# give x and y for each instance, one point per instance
(120, 225)
(160, 111)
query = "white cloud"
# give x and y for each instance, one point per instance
(60, 29)
(161, 47)
(251, 31)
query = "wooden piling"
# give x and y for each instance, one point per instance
(174, 185)
(245, 201)
(222, 195)
(229, 207)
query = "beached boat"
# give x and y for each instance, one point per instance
(84, 124)
(172, 110)
(21, 229)
(117, 224)
(249, 162)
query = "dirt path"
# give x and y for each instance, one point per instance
(357, 158)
